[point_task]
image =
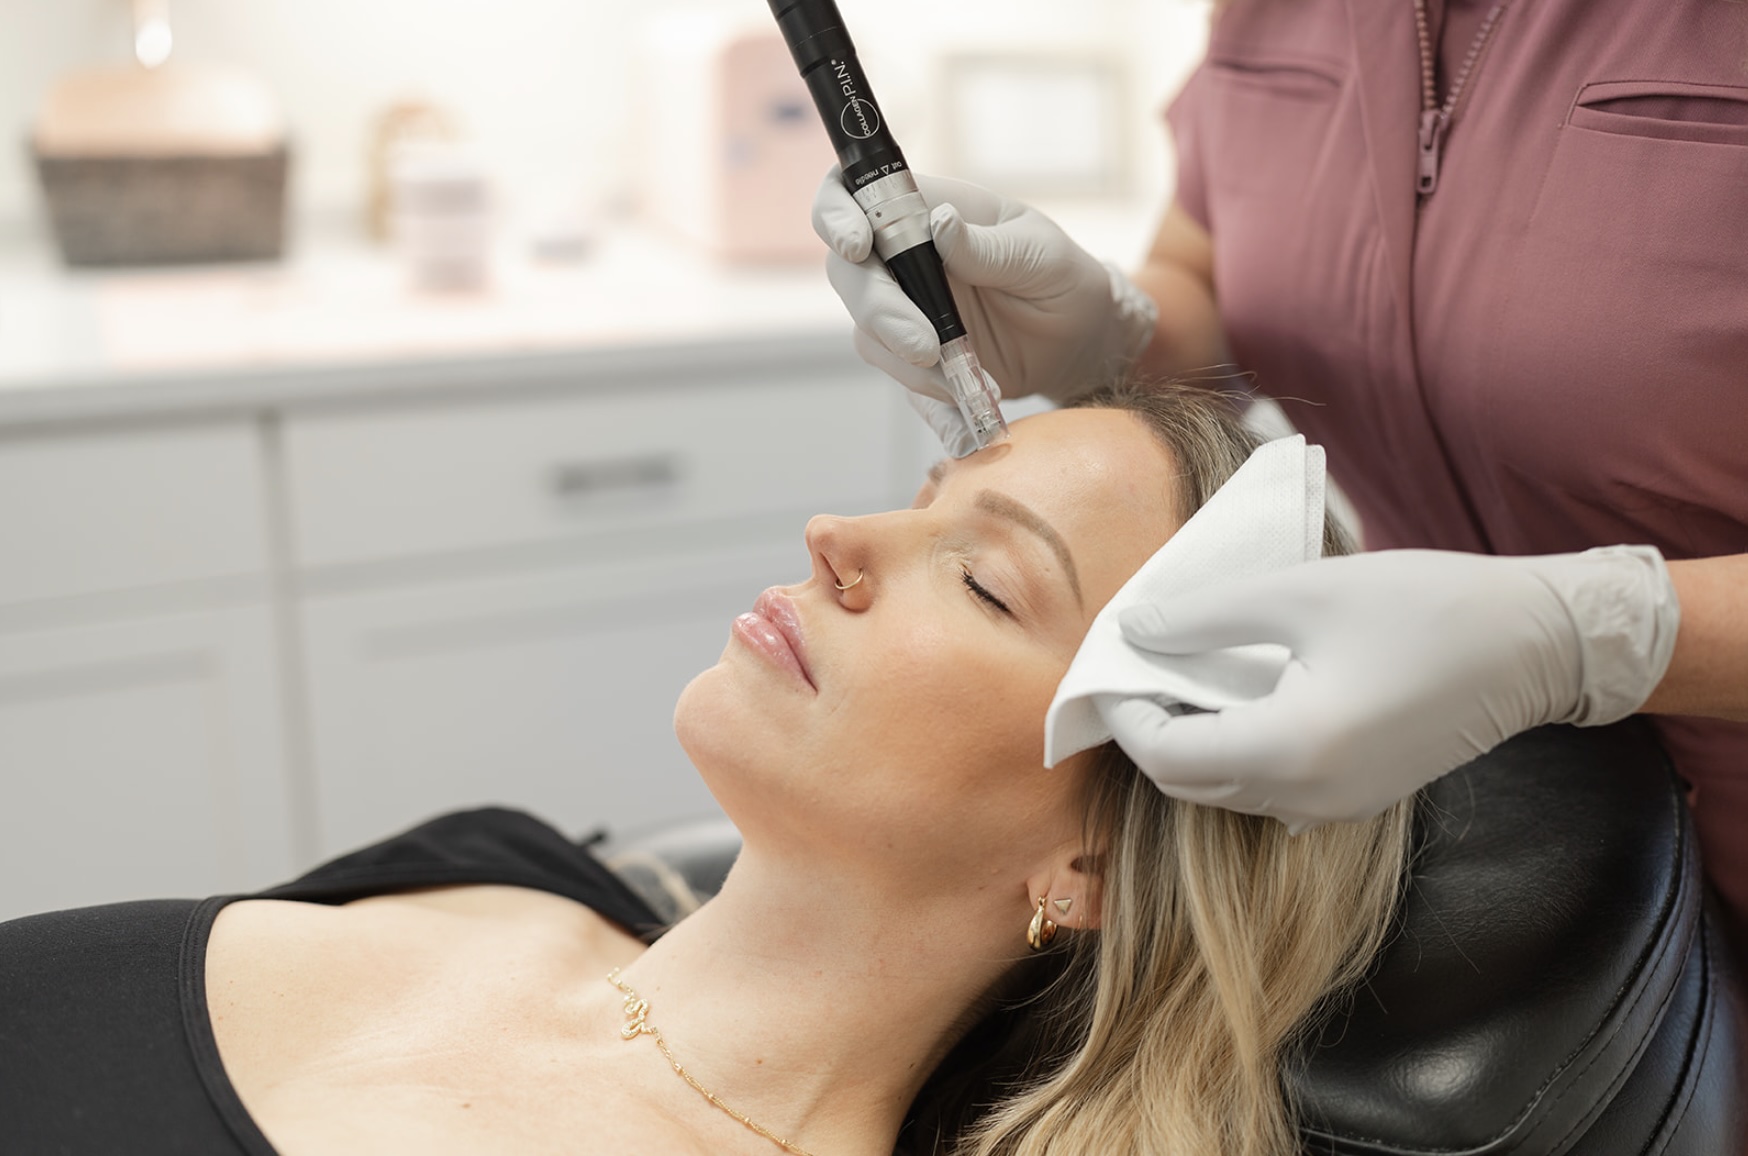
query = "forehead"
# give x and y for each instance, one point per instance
(1098, 476)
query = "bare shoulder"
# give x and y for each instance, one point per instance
(270, 931)
(284, 979)
(449, 1020)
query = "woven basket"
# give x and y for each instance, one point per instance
(153, 210)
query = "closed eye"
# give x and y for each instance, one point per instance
(976, 588)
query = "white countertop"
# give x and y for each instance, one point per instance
(338, 316)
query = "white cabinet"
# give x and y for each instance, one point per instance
(141, 758)
(230, 647)
(142, 746)
(89, 512)
(553, 691)
(656, 461)
(504, 595)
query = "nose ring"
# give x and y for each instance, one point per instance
(857, 582)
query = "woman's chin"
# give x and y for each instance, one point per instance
(698, 715)
(716, 721)
(745, 754)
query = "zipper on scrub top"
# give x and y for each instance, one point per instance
(1435, 120)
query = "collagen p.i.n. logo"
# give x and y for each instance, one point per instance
(859, 119)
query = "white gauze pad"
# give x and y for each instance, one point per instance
(1268, 515)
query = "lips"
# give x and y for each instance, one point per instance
(773, 629)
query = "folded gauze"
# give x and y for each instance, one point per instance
(1268, 515)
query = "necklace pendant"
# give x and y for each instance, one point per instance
(637, 1018)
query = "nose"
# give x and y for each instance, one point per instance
(861, 556)
(840, 553)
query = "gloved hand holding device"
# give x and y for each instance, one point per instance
(1044, 315)
(1405, 665)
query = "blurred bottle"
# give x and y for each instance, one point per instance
(441, 216)
(404, 122)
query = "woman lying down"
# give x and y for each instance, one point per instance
(877, 974)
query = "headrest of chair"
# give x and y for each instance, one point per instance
(660, 864)
(1551, 906)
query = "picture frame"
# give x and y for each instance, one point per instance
(1038, 124)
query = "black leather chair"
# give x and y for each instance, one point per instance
(1555, 985)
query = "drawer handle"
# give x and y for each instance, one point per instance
(645, 472)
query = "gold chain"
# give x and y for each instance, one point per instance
(637, 1024)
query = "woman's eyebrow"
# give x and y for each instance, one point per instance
(1005, 507)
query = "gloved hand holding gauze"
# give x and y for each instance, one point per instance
(1267, 516)
(1334, 687)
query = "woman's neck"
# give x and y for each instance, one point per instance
(813, 1009)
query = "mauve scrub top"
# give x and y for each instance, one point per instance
(1550, 351)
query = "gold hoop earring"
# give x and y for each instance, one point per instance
(1040, 931)
(857, 582)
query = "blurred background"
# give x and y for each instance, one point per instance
(399, 397)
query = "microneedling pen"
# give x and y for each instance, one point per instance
(875, 173)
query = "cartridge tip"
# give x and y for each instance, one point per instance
(976, 394)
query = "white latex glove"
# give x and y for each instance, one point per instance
(945, 419)
(1405, 665)
(1044, 315)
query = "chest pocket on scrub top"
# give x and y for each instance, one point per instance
(1268, 120)
(1298, 258)
(1702, 113)
(1626, 310)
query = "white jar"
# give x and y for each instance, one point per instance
(441, 216)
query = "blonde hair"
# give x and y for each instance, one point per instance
(1168, 1030)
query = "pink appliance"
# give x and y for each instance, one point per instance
(733, 145)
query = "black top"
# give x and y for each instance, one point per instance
(106, 1045)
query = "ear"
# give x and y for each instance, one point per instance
(1077, 878)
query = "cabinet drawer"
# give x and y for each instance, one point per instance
(95, 512)
(481, 474)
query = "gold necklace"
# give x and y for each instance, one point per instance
(637, 1024)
